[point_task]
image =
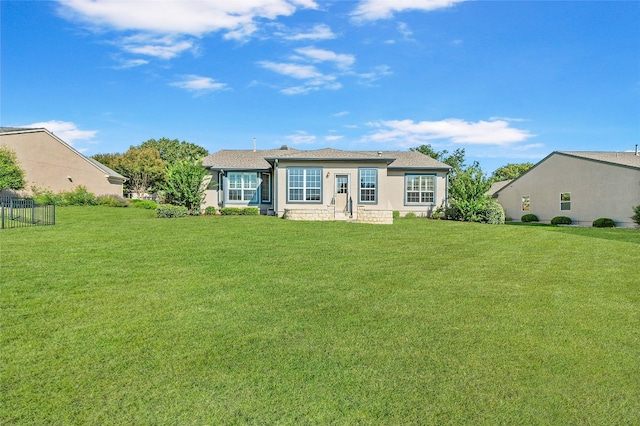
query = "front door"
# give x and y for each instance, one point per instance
(342, 197)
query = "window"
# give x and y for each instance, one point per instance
(265, 188)
(419, 189)
(526, 203)
(242, 186)
(368, 185)
(565, 201)
(304, 185)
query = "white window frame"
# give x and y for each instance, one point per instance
(306, 181)
(422, 189)
(248, 182)
(565, 201)
(367, 192)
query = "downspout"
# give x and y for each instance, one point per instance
(275, 187)
(221, 189)
(446, 189)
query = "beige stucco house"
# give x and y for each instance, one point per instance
(50, 163)
(581, 185)
(327, 184)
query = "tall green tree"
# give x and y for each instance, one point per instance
(184, 184)
(468, 197)
(173, 150)
(143, 168)
(510, 171)
(11, 175)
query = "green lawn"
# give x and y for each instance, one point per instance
(115, 317)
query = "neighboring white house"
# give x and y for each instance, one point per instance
(581, 185)
(327, 184)
(52, 164)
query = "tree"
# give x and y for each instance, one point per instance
(110, 160)
(143, 168)
(510, 171)
(172, 150)
(11, 175)
(468, 197)
(455, 159)
(184, 185)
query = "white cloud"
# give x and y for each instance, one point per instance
(341, 114)
(163, 47)
(198, 84)
(313, 79)
(130, 63)
(321, 55)
(333, 138)
(409, 133)
(65, 130)
(318, 32)
(180, 21)
(371, 10)
(301, 138)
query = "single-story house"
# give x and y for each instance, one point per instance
(581, 185)
(50, 163)
(327, 184)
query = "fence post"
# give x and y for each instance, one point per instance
(2, 215)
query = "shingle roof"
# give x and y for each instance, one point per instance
(629, 159)
(259, 160)
(13, 129)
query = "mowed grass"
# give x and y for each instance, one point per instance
(115, 317)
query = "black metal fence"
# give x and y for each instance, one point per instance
(23, 212)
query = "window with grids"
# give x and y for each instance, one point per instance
(368, 185)
(304, 185)
(526, 203)
(420, 189)
(565, 201)
(242, 186)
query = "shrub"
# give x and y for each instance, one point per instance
(168, 210)
(604, 222)
(112, 201)
(78, 197)
(230, 211)
(493, 214)
(238, 211)
(45, 196)
(636, 215)
(410, 215)
(210, 211)
(439, 213)
(250, 211)
(529, 217)
(396, 214)
(561, 220)
(144, 204)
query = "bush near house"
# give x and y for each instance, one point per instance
(636, 215)
(112, 201)
(493, 214)
(529, 217)
(239, 211)
(210, 211)
(168, 210)
(410, 215)
(561, 220)
(604, 222)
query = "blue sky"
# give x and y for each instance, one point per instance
(508, 81)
